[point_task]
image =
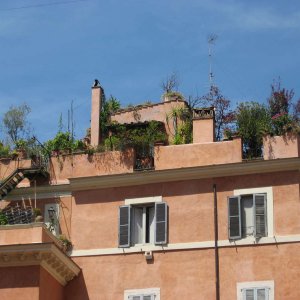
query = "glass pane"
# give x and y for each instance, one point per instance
(137, 225)
(136, 298)
(147, 297)
(249, 294)
(233, 206)
(247, 215)
(261, 294)
(150, 225)
(234, 226)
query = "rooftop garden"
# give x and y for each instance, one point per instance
(250, 120)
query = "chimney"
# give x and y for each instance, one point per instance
(204, 125)
(97, 94)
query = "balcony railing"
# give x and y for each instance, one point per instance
(17, 215)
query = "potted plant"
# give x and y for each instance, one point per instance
(66, 243)
(38, 215)
(21, 149)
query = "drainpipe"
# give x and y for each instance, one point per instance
(216, 243)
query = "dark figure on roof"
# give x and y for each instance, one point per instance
(96, 83)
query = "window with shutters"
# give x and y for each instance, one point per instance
(142, 294)
(143, 224)
(247, 216)
(255, 293)
(256, 290)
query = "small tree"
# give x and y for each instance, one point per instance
(109, 106)
(15, 122)
(280, 99)
(170, 83)
(223, 114)
(252, 122)
(284, 113)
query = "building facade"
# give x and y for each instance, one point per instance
(201, 223)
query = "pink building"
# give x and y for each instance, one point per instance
(198, 222)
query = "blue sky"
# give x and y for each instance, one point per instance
(50, 55)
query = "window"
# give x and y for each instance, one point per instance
(143, 224)
(255, 294)
(247, 216)
(142, 294)
(256, 290)
(142, 297)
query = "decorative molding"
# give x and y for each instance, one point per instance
(42, 192)
(143, 200)
(158, 176)
(250, 241)
(47, 255)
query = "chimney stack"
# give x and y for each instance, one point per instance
(97, 94)
(204, 125)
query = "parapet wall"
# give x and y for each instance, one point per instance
(84, 165)
(157, 112)
(191, 155)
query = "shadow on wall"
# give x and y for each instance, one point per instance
(76, 289)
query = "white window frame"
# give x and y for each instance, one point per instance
(144, 207)
(270, 214)
(141, 292)
(143, 201)
(241, 286)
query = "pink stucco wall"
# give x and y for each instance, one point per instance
(49, 287)
(24, 234)
(16, 284)
(190, 155)
(261, 263)
(81, 165)
(203, 131)
(158, 112)
(281, 146)
(179, 274)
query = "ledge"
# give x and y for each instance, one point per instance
(47, 255)
(156, 176)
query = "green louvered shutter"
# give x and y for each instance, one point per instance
(260, 214)
(161, 223)
(234, 217)
(124, 226)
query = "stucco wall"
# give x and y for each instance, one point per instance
(19, 283)
(180, 275)
(281, 146)
(189, 274)
(23, 234)
(158, 112)
(262, 263)
(81, 165)
(285, 199)
(190, 155)
(50, 288)
(95, 213)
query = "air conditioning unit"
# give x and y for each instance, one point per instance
(148, 255)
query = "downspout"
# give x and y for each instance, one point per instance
(216, 243)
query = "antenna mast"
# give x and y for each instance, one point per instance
(211, 41)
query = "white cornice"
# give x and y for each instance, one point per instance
(212, 171)
(157, 176)
(47, 255)
(41, 192)
(189, 246)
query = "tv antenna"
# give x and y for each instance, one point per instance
(211, 39)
